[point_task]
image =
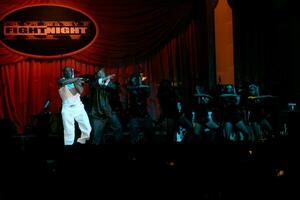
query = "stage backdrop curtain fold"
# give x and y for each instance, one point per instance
(162, 38)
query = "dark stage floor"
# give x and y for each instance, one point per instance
(206, 171)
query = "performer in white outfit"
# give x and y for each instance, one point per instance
(73, 110)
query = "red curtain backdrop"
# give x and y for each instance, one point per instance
(132, 33)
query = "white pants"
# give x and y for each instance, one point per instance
(73, 113)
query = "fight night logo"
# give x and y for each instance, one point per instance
(47, 31)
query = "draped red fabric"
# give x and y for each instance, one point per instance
(132, 33)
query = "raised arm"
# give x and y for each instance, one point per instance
(63, 81)
(76, 81)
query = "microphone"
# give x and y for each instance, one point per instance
(47, 104)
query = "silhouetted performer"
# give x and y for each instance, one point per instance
(257, 114)
(103, 112)
(171, 115)
(203, 113)
(231, 113)
(140, 120)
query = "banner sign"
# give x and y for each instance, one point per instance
(47, 31)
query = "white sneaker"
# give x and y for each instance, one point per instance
(82, 140)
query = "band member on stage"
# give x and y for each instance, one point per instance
(257, 112)
(231, 114)
(103, 116)
(140, 120)
(73, 110)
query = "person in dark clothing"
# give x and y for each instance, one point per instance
(103, 117)
(117, 110)
(257, 113)
(171, 115)
(140, 120)
(204, 124)
(231, 114)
